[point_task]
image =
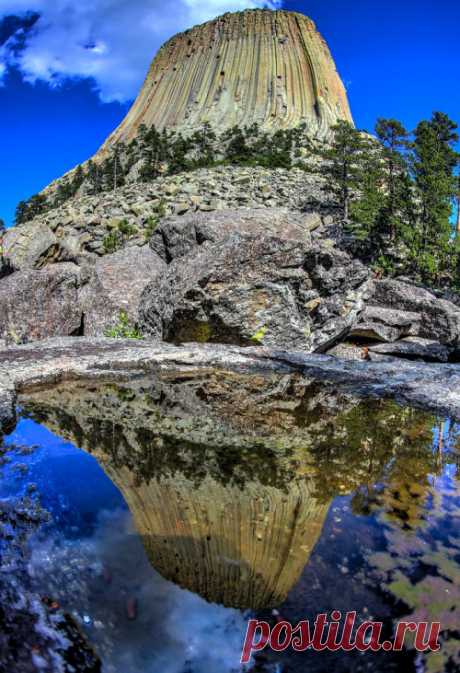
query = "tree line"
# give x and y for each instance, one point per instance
(394, 191)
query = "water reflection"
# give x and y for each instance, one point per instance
(229, 477)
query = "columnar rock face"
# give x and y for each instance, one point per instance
(273, 68)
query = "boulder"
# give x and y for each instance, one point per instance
(177, 236)
(256, 289)
(114, 284)
(32, 246)
(35, 304)
(386, 324)
(414, 348)
(398, 309)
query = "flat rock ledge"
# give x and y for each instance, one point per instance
(435, 387)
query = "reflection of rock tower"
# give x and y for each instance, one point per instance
(229, 476)
(219, 512)
(239, 548)
(273, 68)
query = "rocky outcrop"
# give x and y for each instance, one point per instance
(259, 66)
(113, 285)
(36, 304)
(414, 348)
(83, 224)
(64, 299)
(256, 289)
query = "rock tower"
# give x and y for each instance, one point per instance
(264, 66)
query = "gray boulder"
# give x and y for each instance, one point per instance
(177, 236)
(32, 246)
(398, 309)
(256, 289)
(39, 304)
(414, 348)
(114, 284)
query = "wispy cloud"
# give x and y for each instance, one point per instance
(110, 41)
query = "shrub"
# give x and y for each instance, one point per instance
(123, 329)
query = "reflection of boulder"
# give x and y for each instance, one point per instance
(229, 476)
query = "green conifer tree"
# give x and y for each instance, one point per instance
(394, 140)
(341, 166)
(434, 163)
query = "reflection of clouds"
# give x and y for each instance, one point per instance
(175, 630)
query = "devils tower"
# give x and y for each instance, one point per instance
(263, 66)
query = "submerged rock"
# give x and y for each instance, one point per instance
(430, 386)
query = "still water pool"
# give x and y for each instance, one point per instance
(181, 506)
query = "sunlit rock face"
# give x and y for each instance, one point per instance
(229, 476)
(269, 67)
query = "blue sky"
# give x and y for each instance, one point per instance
(69, 71)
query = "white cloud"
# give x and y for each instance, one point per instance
(111, 41)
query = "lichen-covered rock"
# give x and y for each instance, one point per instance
(114, 284)
(176, 236)
(35, 304)
(256, 289)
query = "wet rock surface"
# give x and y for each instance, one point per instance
(435, 387)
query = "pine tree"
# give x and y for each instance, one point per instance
(237, 150)
(366, 205)
(434, 162)
(179, 151)
(37, 205)
(203, 142)
(94, 177)
(152, 152)
(457, 206)
(21, 212)
(78, 179)
(341, 166)
(394, 140)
